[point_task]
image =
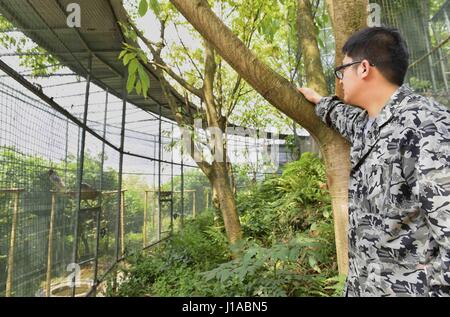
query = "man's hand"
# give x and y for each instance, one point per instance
(310, 95)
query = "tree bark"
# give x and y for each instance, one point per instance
(348, 16)
(219, 176)
(308, 32)
(307, 36)
(224, 198)
(217, 172)
(285, 97)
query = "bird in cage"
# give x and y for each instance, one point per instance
(56, 180)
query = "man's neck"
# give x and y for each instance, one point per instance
(379, 99)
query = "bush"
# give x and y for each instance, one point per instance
(172, 268)
(288, 247)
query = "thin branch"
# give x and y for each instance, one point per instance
(247, 42)
(187, 53)
(233, 99)
(220, 83)
(208, 85)
(161, 64)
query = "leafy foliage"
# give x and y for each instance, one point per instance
(288, 249)
(138, 78)
(32, 56)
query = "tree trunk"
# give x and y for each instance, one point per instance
(307, 30)
(217, 172)
(307, 37)
(285, 97)
(219, 179)
(215, 196)
(348, 16)
(232, 179)
(297, 151)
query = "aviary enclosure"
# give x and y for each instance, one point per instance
(90, 173)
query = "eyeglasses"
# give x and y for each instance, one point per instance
(339, 71)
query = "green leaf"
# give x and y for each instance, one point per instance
(128, 57)
(132, 67)
(143, 7)
(122, 54)
(139, 88)
(154, 5)
(131, 81)
(144, 79)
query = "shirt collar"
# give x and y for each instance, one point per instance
(392, 105)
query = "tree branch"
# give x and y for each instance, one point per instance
(208, 86)
(159, 62)
(187, 53)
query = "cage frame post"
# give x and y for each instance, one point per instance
(100, 211)
(182, 182)
(80, 170)
(171, 183)
(119, 246)
(122, 223)
(12, 240)
(159, 176)
(447, 20)
(206, 190)
(441, 58)
(144, 227)
(194, 209)
(48, 280)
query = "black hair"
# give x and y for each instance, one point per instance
(384, 47)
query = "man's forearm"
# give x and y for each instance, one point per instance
(339, 116)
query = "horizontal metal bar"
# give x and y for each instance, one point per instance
(20, 79)
(155, 160)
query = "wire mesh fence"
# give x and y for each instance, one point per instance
(71, 203)
(86, 179)
(427, 34)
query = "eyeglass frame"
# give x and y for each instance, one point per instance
(338, 70)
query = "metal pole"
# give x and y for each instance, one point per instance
(430, 58)
(441, 59)
(182, 185)
(144, 229)
(122, 142)
(122, 223)
(447, 21)
(153, 196)
(153, 200)
(171, 185)
(50, 246)
(66, 151)
(12, 244)
(63, 219)
(159, 177)
(206, 198)
(99, 212)
(80, 172)
(193, 203)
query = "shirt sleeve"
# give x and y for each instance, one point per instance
(338, 116)
(426, 168)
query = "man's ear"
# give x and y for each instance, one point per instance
(364, 69)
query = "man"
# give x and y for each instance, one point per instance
(399, 191)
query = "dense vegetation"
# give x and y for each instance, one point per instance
(288, 248)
